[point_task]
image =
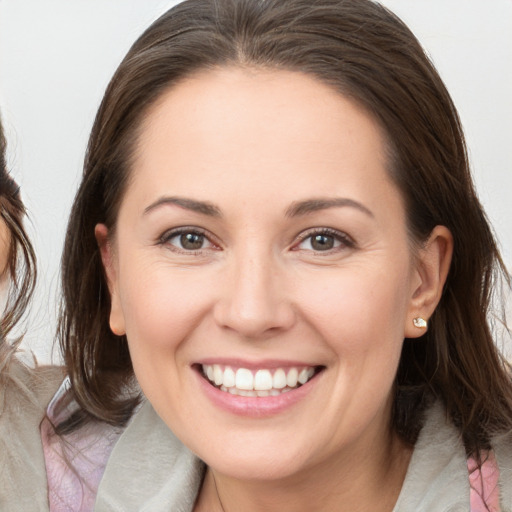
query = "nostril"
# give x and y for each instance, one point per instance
(254, 319)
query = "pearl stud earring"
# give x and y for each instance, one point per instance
(419, 322)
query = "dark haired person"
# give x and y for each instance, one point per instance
(16, 250)
(24, 392)
(277, 235)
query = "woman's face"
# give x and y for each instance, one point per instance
(5, 243)
(262, 273)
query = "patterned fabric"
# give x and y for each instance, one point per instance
(75, 462)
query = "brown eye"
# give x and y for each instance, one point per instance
(322, 242)
(186, 240)
(192, 241)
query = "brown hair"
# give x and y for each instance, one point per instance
(367, 54)
(21, 260)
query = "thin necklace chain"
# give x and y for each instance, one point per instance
(217, 491)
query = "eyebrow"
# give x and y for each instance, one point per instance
(299, 208)
(202, 207)
(296, 209)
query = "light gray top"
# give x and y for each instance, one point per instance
(151, 470)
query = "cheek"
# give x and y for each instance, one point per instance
(360, 315)
(361, 318)
(357, 309)
(158, 302)
(161, 308)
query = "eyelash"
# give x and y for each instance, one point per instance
(339, 236)
(343, 240)
(166, 238)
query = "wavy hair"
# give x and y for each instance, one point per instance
(21, 260)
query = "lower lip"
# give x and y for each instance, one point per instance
(255, 407)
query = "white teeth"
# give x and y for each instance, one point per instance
(305, 374)
(244, 382)
(279, 379)
(263, 380)
(229, 377)
(244, 379)
(218, 374)
(291, 378)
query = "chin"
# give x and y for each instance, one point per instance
(256, 464)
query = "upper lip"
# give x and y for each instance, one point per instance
(256, 365)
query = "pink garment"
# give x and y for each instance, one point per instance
(74, 462)
(485, 492)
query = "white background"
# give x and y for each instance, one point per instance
(56, 57)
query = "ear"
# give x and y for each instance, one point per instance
(116, 321)
(432, 267)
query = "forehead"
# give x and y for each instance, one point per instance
(254, 127)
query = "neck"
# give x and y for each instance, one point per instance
(357, 482)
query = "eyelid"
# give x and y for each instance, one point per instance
(346, 240)
(167, 235)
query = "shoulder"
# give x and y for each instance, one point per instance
(23, 383)
(168, 474)
(440, 473)
(491, 480)
(437, 477)
(95, 466)
(24, 393)
(502, 447)
(74, 460)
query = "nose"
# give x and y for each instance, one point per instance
(254, 302)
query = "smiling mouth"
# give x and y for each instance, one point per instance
(258, 383)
